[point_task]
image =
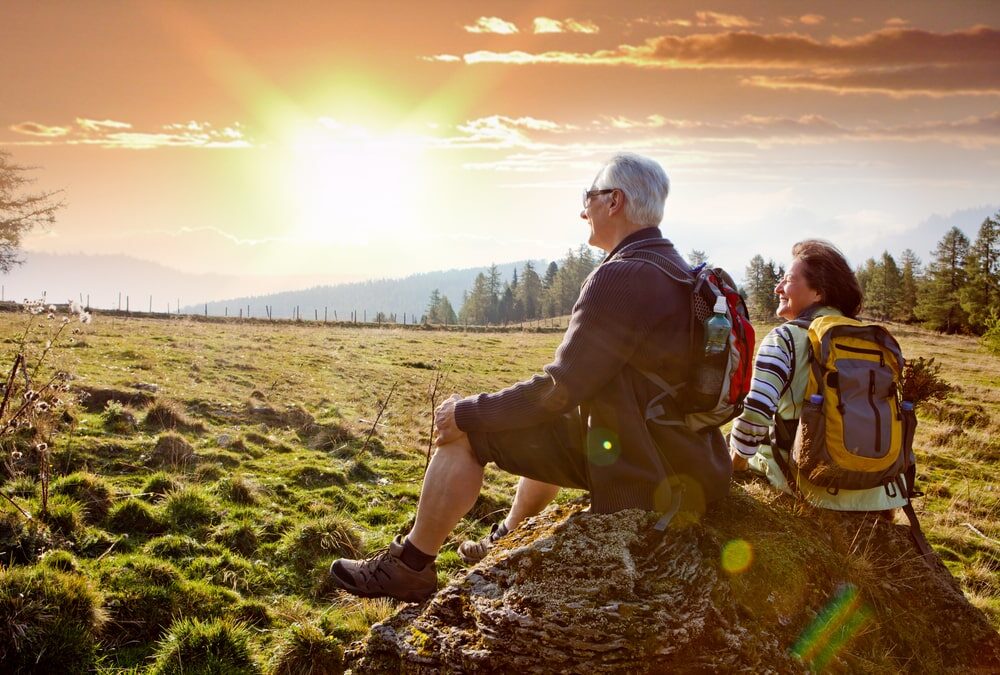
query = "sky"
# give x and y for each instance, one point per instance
(321, 142)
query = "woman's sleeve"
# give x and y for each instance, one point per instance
(772, 371)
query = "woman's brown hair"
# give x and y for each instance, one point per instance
(827, 272)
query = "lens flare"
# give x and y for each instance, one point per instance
(842, 618)
(602, 446)
(737, 556)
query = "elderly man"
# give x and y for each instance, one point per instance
(582, 422)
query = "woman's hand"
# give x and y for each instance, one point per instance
(740, 463)
(444, 421)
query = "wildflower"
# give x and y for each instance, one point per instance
(50, 316)
(41, 447)
(52, 308)
(74, 307)
(17, 454)
(30, 395)
(65, 319)
(85, 317)
(42, 406)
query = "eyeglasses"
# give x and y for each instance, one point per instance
(590, 194)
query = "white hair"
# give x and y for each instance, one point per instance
(644, 183)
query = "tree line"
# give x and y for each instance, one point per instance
(958, 291)
(527, 296)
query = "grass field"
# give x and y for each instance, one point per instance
(222, 496)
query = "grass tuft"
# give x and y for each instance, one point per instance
(189, 508)
(303, 649)
(159, 485)
(92, 491)
(135, 516)
(215, 646)
(173, 450)
(164, 415)
(49, 621)
(316, 541)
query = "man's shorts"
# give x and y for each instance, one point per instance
(554, 452)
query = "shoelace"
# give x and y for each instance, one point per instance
(370, 567)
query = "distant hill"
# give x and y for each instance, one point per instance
(105, 278)
(407, 295)
(102, 279)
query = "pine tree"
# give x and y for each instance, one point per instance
(880, 283)
(981, 292)
(495, 288)
(759, 282)
(529, 292)
(439, 310)
(479, 303)
(908, 287)
(939, 307)
(433, 304)
(696, 257)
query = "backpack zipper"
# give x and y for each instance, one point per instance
(878, 417)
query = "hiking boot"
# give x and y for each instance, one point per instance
(385, 575)
(472, 552)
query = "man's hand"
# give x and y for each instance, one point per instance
(444, 421)
(740, 463)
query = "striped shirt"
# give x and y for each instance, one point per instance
(779, 383)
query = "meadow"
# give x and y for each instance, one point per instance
(211, 471)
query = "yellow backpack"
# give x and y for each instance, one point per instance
(855, 431)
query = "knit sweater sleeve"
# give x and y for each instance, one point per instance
(772, 371)
(604, 329)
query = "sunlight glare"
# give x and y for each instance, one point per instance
(349, 185)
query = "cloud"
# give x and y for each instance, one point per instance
(41, 130)
(544, 24)
(444, 58)
(897, 61)
(896, 22)
(492, 24)
(812, 19)
(972, 131)
(114, 134)
(100, 125)
(502, 131)
(900, 82)
(723, 20)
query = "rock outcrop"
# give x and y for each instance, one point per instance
(755, 585)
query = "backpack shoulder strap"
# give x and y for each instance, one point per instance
(657, 260)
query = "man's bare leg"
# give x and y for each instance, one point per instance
(531, 497)
(451, 486)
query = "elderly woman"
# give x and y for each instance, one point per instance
(819, 282)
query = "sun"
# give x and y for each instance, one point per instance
(348, 184)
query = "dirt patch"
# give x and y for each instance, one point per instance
(94, 399)
(173, 450)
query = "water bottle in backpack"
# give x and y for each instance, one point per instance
(710, 374)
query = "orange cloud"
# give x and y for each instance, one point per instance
(41, 130)
(492, 24)
(933, 81)
(114, 134)
(723, 20)
(100, 125)
(812, 19)
(888, 60)
(544, 24)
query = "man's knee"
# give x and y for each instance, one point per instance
(459, 449)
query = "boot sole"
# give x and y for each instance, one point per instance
(354, 590)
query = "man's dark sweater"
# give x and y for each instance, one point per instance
(629, 317)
